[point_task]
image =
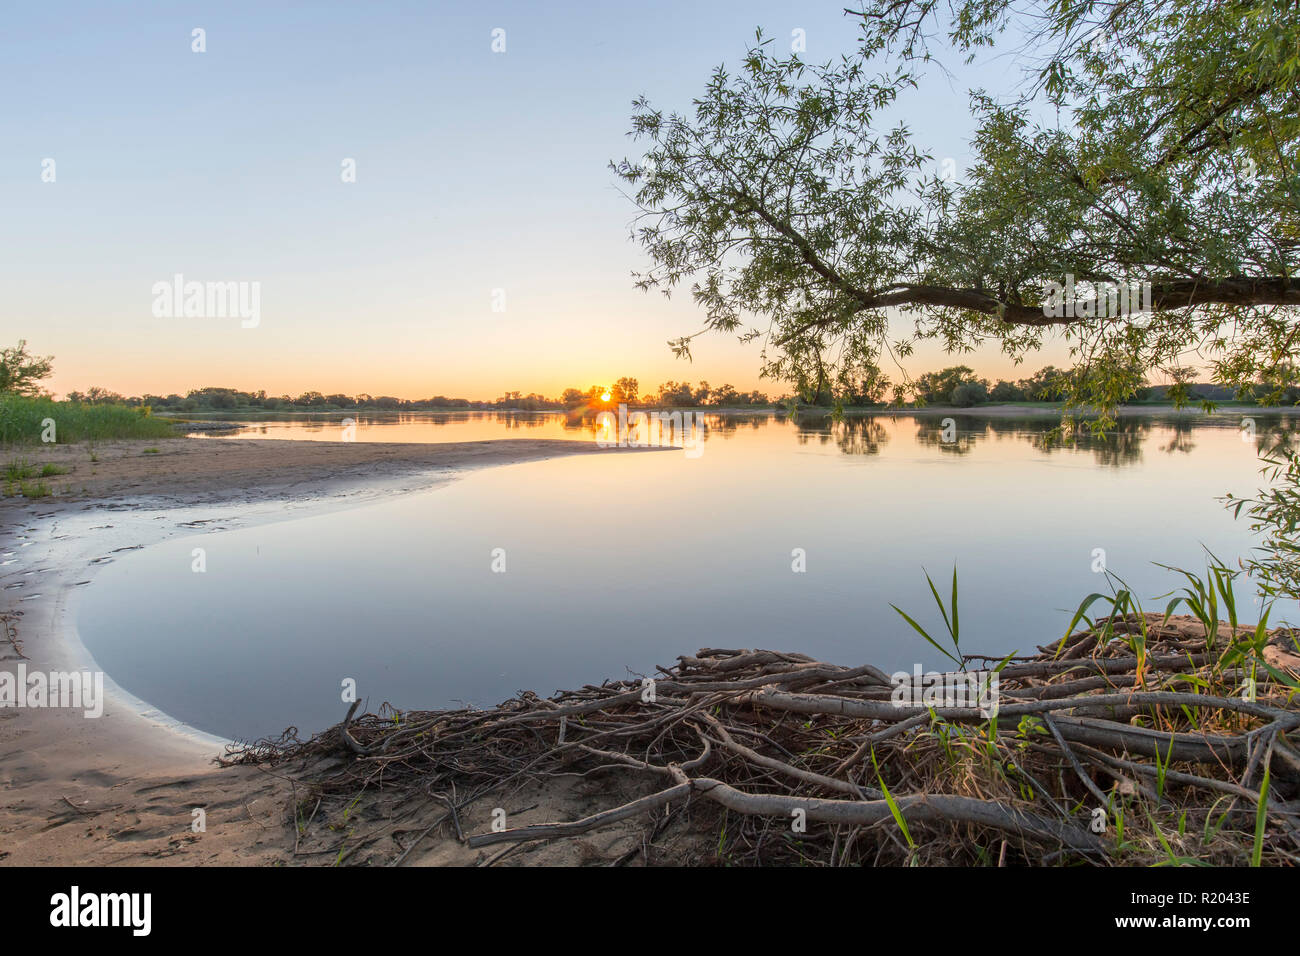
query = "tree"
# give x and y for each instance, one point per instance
(21, 372)
(1005, 391)
(625, 390)
(969, 393)
(1168, 156)
(1181, 380)
(942, 386)
(102, 396)
(1048, 384)
(724, 395)
(211, 397)
(1280, 385)
(677, 394)
(869, 389)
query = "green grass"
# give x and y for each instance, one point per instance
(16, 477)
(35, 489)
(26, 421)
(28, 489)
(18, 470)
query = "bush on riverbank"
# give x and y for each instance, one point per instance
(28, 420)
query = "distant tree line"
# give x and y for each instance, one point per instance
(625, 390)
(679, 394)
(229, 399)
(957, 385)
(961, 387)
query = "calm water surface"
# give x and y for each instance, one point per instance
(423, 427)
(615, 564)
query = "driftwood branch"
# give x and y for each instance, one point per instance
(776, 757)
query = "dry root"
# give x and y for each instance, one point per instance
(1095, 755)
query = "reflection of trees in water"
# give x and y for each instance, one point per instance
(1181, 439)
(577, 421)
(1117, 446)
(860, 436)
(1121, 445)
(867, 434)
(964, 432)
(519, 419)
(425, 418)
(853, 435)
(1273, 432)
(812, 428)
(728, 425)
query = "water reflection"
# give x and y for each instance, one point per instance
(958, 435)
(621, 562)
(1281, 435)
(1180, 439)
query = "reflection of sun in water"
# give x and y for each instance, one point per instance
(605, 396)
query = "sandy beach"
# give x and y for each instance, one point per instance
(121, 789)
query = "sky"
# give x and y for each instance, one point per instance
(483, 246)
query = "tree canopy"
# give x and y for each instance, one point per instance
(21, 373)
(1148, 141)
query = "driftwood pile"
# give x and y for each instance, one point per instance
(1096, 755)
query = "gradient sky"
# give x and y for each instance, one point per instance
(475, 171)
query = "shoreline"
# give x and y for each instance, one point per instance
(122, 788)
(214, 421)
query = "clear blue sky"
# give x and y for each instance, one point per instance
(475, 171)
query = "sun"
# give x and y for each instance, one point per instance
(605, 396)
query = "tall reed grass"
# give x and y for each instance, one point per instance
(25, 421)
